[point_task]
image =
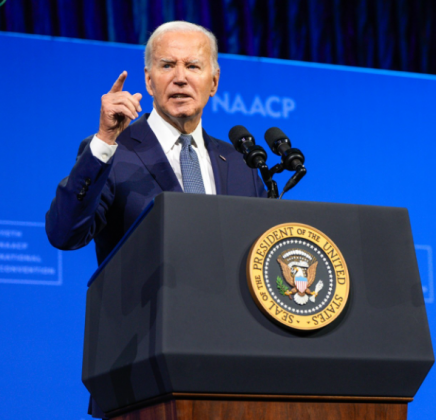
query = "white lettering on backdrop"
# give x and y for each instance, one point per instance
(272, 106)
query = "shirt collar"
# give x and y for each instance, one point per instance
(169, 135)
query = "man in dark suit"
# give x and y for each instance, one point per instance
(123, 167)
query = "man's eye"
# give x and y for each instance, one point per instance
(193, 66)
(166, 66)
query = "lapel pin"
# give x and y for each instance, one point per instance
(223, 158)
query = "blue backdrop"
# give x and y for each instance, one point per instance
(367, 135)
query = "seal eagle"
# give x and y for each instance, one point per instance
(299, 281)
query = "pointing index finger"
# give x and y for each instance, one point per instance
(119, 83)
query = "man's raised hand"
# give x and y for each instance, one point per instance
(118, 108)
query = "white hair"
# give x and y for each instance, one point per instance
(182, 26)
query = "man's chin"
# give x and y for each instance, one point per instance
(182, 114)
(179, 115)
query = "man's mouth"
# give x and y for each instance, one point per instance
(179, 96)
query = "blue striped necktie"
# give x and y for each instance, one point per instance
(191, 173)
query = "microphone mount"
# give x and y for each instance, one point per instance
(271, 185)
(292, 158)
(254, 156)
(295, 179)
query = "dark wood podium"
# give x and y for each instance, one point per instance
(172, 331)
(217, 407)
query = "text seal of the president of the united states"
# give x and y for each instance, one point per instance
(298, 276)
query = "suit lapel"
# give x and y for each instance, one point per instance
(219, 165)
(149, 150)
(152, 155)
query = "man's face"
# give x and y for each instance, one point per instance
(180, 79)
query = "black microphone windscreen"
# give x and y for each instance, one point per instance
(273, 134)
(238, 132)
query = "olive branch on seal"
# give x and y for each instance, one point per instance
(281, 286)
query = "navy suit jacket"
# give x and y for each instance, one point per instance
(101, 201)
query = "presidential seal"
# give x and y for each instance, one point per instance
(298, 277)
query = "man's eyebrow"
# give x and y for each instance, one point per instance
(172, 61)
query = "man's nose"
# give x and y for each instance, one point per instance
(179, 75)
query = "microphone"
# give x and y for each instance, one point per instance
(279, 143)
(254, 155)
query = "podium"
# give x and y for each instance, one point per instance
(172, 331)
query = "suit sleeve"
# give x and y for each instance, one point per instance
(79, 209)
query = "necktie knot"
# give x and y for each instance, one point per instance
(185, 140)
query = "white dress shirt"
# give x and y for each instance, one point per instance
(168, 137)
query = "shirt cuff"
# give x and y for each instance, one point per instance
(101, 150)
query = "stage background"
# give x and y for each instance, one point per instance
(368, 137)
(388, 34)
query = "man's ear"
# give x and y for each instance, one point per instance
(148, 82)
(215, 80)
